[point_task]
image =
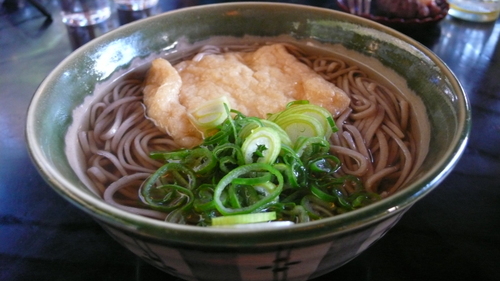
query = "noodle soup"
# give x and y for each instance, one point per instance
(381, 140)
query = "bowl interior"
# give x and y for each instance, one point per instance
(100, 61)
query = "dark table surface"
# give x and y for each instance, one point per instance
(451, 234)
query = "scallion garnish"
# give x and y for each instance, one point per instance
(251, 170)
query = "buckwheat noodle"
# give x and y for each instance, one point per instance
(375, 141)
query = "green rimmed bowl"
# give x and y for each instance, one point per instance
(301, 251)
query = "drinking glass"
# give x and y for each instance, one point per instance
(135, 5)
(475, 10)
(84, 12)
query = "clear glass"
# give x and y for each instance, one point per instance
(475, 10)
(135, 5)
(84, 12)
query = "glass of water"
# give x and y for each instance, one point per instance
(84, 12)
(135, 5)
(475, 10)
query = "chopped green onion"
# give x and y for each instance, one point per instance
(312, 146)
(210, 114)
(242, 171)
(256, 178)
(300, 125)
(244, 219)
(261, 146)
(170, 156)
(171, 173)
(248, 166)
(316, 191)
(290, 175)
(317, 208)
(168, 197)
(324, 164)
(319, 113)
(297, 102)
(200, 160)
(204, 198)
(283, 135)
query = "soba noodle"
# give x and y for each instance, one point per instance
(375, 141)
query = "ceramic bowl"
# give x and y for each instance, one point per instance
(298, 252)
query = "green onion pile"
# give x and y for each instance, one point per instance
(251, 170)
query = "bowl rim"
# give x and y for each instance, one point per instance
(323, 228)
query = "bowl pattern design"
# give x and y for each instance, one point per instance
(276, 263)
